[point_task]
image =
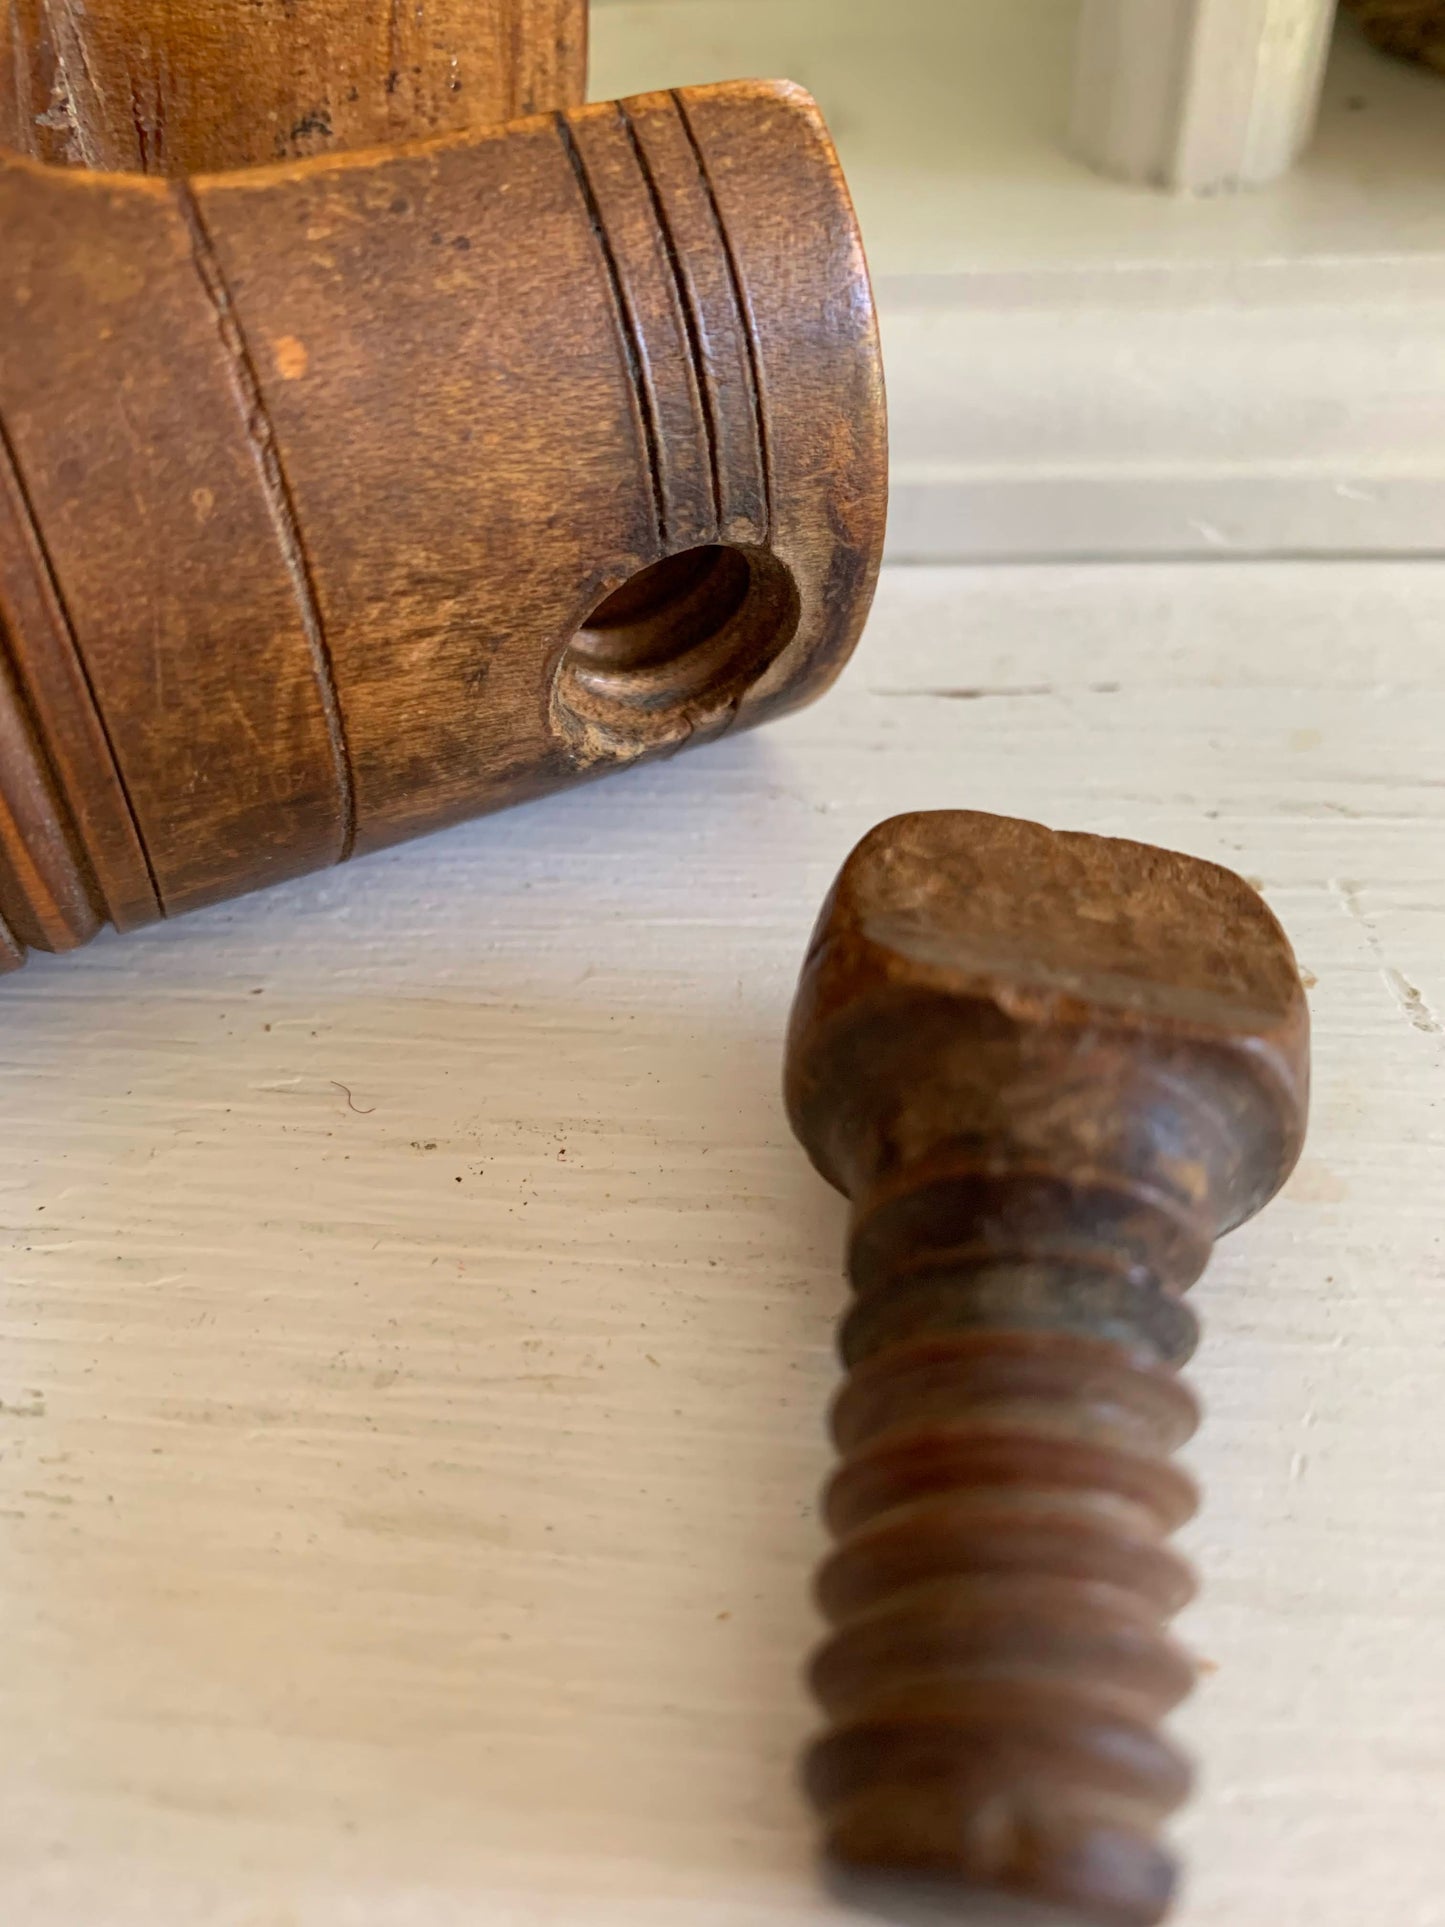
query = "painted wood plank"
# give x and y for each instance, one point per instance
(417, 1320)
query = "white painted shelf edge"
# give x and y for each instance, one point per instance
(1147, 414)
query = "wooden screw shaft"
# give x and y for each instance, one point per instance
(1048, 1070)
(1001, 1583)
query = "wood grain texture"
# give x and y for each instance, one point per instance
(1049, 1070)
(48, 699)
(196, 86)
(394, 431)
(120, 395)
(407, 1501)
(43, 883)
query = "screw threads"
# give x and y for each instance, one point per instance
(1048, 1071)
(999, 1591)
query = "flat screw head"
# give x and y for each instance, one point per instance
(1057, 996)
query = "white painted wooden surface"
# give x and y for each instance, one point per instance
(1202, 96)
(417, 1319)
(1078, 367)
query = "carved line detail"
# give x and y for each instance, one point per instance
(745, 313)
(686, 307)
(632, 346)
(28, 765)
(12, 953)
(42, 857)
(280, 502)
(75, 840)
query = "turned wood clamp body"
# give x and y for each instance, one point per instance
(332, 494)
(199, 86)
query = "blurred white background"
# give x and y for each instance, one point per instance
(1082, 367)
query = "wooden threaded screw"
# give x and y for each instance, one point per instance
(1049, 1071)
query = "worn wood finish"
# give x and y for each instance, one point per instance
(333, 495)
(1049, 1071)
(195, 86)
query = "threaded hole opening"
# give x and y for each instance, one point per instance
(684, 637)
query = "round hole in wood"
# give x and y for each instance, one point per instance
(678, 640)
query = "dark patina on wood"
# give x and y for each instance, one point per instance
(199, 86)
(1049, 1071)
(345, 499)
